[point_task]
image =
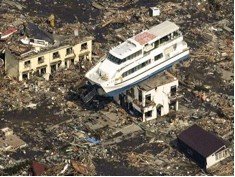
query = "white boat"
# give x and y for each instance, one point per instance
(139, 57)
(34, 42)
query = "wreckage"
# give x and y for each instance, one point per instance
(139, 57)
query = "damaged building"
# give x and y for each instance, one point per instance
(205, 148)
(44, 62)
(39, 52)
(151, 98)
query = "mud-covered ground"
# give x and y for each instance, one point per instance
(51, 128)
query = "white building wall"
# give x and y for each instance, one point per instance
(211, 160)
(160, 96)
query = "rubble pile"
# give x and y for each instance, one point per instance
(66, 137)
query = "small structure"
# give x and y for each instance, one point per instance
(154, 11)
(9, 141)
(151, 98)
(202, 146)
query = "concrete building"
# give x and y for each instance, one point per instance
(151, 98)
(23, 61)
(203, 147)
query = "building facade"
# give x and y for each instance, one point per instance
(151, 98)
(47, 61)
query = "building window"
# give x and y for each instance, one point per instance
(84, 46)
(66, 63)
(72, 61)
(173, 90)
(148, 114)
(148, 97)
(41, 71)
(159, 110)
(25, 76)
(172, 105)
(40, 60)
(27, 64)
(53, 68)
(131, 92)
(56, 55)
(140, 96)
(69, 51)
(158, 57)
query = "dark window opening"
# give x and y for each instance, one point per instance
(53, 68)
(69, 51)
(56, 55)
(156, 43)
(173, 90)
(172, 105)
(159, 111)
(158, 57)
(176, 34)
(25, 76)
(43, 71)
(27, 64)
(148, 97)
(165, 39)
(131, 106)
(132, 92)
(40, 60)
(72, 61)
(84, 46)
(140, 96)
(148, 114)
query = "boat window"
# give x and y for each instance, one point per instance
(119, 61)
(157, 43)
(136, 68)
(165, 39)
(134, 55)
(176, 34)
(114, 59)
(158, 57)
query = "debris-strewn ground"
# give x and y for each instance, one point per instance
(69, 138)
